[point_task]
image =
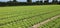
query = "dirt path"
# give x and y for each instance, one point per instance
(44, 22)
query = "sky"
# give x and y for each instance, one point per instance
(23, 0)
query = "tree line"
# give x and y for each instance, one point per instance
(29, 2)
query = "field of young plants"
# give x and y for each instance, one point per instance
(52, 24)
(27, 16)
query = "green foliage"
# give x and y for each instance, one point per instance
(52, 24)
(26, 16)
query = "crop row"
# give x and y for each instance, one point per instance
(26, 16)
(17, 18)
(52, 24)
(25, 22)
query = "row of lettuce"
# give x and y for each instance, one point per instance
(18, 22)
(52, 24)
(25, 17)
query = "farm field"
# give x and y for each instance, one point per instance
(26, 16)
(52, 24)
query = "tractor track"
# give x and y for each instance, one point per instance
(44, 22)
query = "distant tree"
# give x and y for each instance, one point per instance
(55, 1)
(58, 2)
(39, 2)
(14, 0)
(29, 1)
(46, 1)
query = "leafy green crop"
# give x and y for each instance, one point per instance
(26, 16)
(52, 24)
